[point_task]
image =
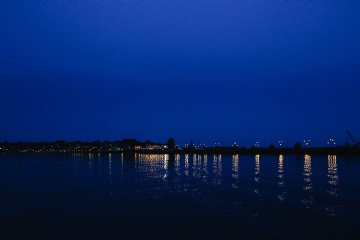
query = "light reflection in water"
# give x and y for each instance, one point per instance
(110, 163)
(152, 164)
(122, 164)
(235, 166)
(205, 163)
(199, 163)
(281, 171)
(308, 182)
(166, 166)
(332, 173)
(217, 166)
(257, 167)
(281, 183)
(194, 161)
(307, 172)
(257, 171)
(214, 164)
(166, 161)
(205, 168)
(157, 166)
(177, 164)
(194, 167)
(332, 181)
(197, 167)
(186, 165)
(186, 171)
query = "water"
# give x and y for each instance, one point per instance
(90, 196)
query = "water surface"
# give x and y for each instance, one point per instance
(135, 196)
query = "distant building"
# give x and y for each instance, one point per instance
(171, 143)
(191, 145)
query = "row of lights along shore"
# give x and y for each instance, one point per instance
(330, 143)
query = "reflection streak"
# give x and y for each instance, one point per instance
(217, 166)
(308, 182)
(333, 181)
(205, 168)
(110, 163)
(166, 166)
(186, 165)
(281, 197)
(235, 166)
(307, 172)
(177, 164)
(257, 167)
(152, 164)
(281, 171)
(332, 171)
(257, 171)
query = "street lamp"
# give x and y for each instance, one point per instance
(331, 142)
(280, 143)
(307, 143)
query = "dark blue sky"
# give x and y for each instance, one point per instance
(207, 71)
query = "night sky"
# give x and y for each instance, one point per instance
(208, 71)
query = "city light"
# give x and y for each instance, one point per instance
(331, 142)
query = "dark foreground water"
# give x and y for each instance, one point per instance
(179, 197)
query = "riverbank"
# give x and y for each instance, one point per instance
(226, 151)
(261, 151)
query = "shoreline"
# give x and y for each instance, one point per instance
(225, 151)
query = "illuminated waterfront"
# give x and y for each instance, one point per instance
(179, 196)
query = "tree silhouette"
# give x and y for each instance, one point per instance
(297, 145)
(171, 143)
